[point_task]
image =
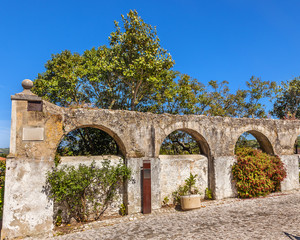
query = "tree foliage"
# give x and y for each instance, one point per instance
(126, 75)
(178, 143)
(136, 73)
(287, 104)
(62, 82)
(142, 64)
(247, 140)
(88, 141)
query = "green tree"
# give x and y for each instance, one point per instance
(62, 82)
(103, 85)
(134, 73)
(220, 101)
(141, 62)
(287, 104)
(223, 103)
(88, 141)
(128, 75)
(258, 90)
(178, 143)
(181, 97)
(247, 140)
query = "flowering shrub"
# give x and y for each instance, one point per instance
(257, 173)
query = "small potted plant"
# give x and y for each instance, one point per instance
(188, 195)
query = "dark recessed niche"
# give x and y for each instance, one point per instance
(35, 106)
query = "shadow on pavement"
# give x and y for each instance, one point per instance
(290, 236)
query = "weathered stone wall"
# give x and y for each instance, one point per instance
(291, 163)
(174, 169)
(224, 185)
(27, 209)
(36, 134)
(88, 160)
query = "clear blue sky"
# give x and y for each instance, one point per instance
(209, 40)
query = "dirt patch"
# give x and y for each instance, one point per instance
(79, 226)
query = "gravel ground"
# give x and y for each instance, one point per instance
(273, 217)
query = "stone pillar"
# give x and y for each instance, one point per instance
(155, 183)
(224, 186)
(291, 164)
(27, 209)
(134, 186)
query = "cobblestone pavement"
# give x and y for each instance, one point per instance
(274, 217)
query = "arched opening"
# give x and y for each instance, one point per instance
(86, 146)
(88, 141)
(179, 143)
(182, 152)
(256, 140)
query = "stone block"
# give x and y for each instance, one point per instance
(33, 134)
(291, 163)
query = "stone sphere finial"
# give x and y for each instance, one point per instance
(27, 84)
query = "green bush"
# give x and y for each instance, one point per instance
(122, 210)
(208, 194)
(257, 173)
(86, 191)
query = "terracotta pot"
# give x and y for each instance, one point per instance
(190, 202)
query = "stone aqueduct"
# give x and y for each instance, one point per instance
(38, 126)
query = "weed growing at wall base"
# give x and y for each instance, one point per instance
(257, 173)
(208, 194)
(86, 191)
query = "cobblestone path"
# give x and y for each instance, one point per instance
(275, 217)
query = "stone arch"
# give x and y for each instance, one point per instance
(262, 139)
(74, 160)
(110, 132)
(203, 144)
(176, 168)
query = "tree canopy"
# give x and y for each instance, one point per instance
(136, 73)
(287, 104)
(126, 75)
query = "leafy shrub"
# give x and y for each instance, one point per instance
(187, 189)
(208, 194)
(122, 210)
(257, 173)
(166, 201)
(86, 191)
(59, 219)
